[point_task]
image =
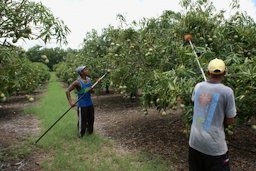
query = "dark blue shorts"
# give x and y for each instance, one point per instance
(202, 162)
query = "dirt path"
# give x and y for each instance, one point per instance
(123, 121)
(15, 128)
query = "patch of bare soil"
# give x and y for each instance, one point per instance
(15, 129)
(165, 136)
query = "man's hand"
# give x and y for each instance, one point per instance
(229, 121)
(88, 90)
(72, 103)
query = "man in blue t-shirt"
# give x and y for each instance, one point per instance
(85, 108)
(214, 106)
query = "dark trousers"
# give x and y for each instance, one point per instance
(85, 120)
(201, 162)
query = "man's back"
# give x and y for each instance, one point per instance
(212, 103)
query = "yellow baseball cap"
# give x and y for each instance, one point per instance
(216, 66)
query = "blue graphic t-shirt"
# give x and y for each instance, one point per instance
(86, 95)
(212, 103)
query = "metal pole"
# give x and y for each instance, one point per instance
(202, 71)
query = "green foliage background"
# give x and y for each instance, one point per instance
(151, 58)
(26, 20)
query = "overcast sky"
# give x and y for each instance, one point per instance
(81, 16)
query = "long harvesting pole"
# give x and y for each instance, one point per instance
(188, 37)
(201, 69)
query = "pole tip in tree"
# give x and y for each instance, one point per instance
(108, 70)
(187, 37)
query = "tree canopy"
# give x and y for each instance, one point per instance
(29, 20)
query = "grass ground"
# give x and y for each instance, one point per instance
(93, 153)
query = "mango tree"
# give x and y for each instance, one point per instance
(49, 56)
(29, 20)
(18, 74)
(24, 20)
(151, 57)
(92, 55)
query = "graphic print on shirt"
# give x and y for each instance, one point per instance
(205, 105)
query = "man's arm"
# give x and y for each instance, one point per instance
(229, 121)
(69, 89)
(229, 125)
(230, 111)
